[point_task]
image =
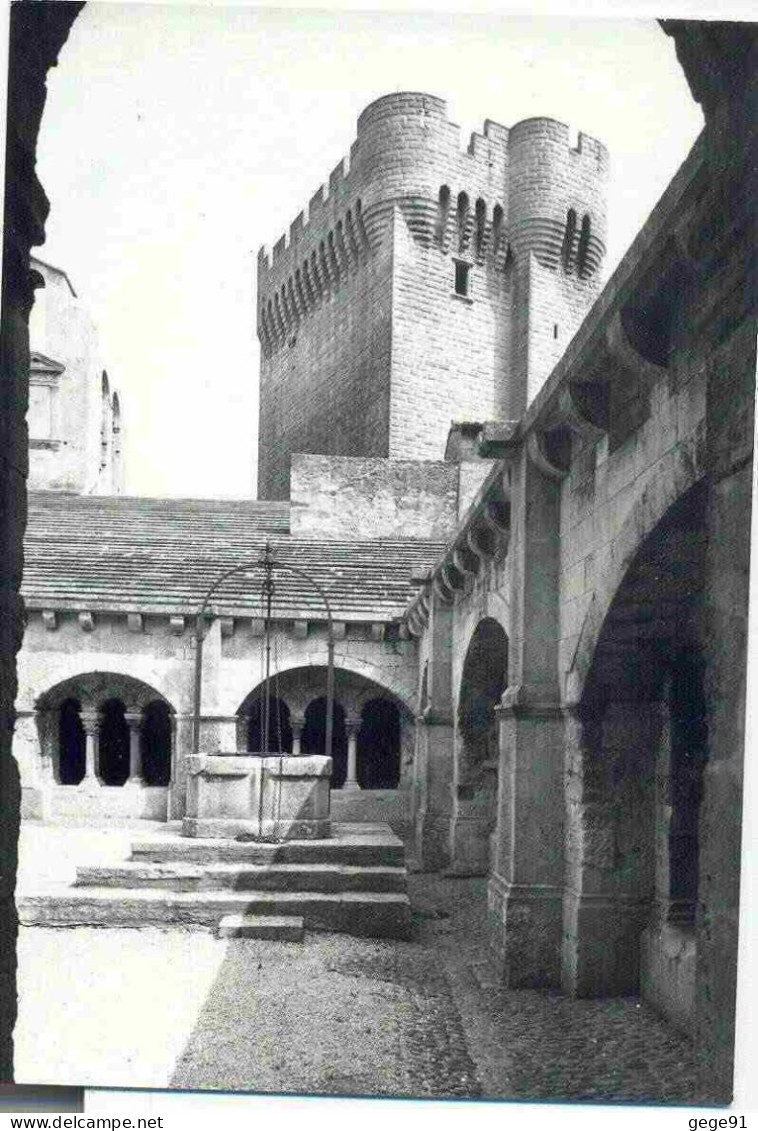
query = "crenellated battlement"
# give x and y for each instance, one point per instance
(405, 147)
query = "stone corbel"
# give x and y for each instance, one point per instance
(622, 350)
(86, 621)
(176, 625)
(498, 520)
(466, 568)
(49, 619)
(476, 547)
(414, 622)
(227, 626)
(441, 589)
(449, 572)
(134, 622)
(535, 446)
(571, 415)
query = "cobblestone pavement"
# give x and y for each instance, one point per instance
(423, 1018)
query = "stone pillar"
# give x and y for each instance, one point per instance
(609, 839)
(297, 722)
(134, 722)
(28, 752)
(37, 33)
(434, 745)
(181, 746)
(352, 726)
(91, 724)
(525, 890)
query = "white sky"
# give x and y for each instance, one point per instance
(178, 139)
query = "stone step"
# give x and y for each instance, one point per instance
(355, 844)
(373, 914)
(181, 876)
(284, 928)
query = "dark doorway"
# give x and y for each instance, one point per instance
(379, 746)
(313, 739)
(72, 743)
(113, 753)
(155, 743)
(279, 729)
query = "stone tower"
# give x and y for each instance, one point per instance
(74, 415)
(427, 284)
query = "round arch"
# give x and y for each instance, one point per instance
(676, 475)
(129, 721)
(484, 678)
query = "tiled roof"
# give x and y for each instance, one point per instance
(162, 555)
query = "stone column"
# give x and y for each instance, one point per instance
(526, 886)
(297, 722)
(434, 745)
(134, 722)
(609, 837)
(352, 726)
(91, 724)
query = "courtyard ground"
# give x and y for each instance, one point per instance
(174, 1008)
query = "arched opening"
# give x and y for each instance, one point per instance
(105, 423)
(483, 680)
(116, 443)
(379, 745)
(569, 235)
(481, 226)
(636, 764)
(313, 740)
(582, 263)
(497, 229)
(463, 221)
(71, 743)
(155, 743)
(279, 728)
(443, 212)
(113, 743)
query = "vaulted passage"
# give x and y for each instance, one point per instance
(483, 680)
(637, 751)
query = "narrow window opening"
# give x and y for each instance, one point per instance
(555, 329)
(462, 278)
(481, 226)
(584, 247)
(568, 239)
(443, 211)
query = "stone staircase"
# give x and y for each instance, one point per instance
(355, 882)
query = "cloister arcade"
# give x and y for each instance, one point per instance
(105, 729)
(372, 729)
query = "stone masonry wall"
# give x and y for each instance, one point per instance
(334, 497)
